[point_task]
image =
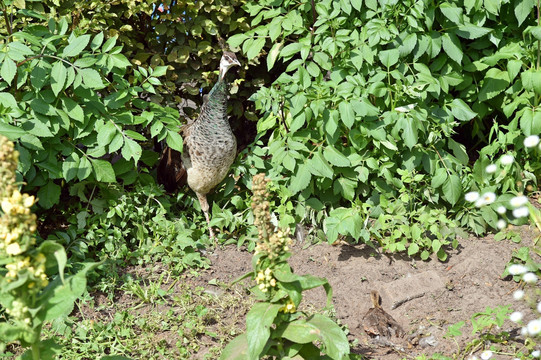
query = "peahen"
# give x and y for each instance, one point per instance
(209, 146)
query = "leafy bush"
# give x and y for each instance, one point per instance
(382, 106)
(77, 117)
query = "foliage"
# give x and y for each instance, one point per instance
(274, 326)
(131, 228)
(27, 295)
(193, 321)
(373, 91)
(77, 117)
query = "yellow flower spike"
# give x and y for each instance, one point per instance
(273, 282)
(6, 206)
(16, 196)
(28, 201)
(13, 249)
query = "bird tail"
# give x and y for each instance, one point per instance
(171, 171)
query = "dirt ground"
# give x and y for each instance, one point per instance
(427, 296)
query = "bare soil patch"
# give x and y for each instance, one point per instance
(435, 294)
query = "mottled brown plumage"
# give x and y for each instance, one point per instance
(376, 322)
(209, 146)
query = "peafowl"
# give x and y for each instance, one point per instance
(209, 146)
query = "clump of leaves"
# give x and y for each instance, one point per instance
(33, 290)
(275, 328)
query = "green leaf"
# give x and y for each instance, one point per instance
(237, 349)
(347, 115)
(174, 140)
(70, 166)
(389, 57)
(331, 335)
(103, 170)
(74, 110)
(8, 70)
(49, 195)
(58, 77)
(440, 176)
(97, 41)
(530, 122)
(91, 78)
(461, 110)
(11, 132)
(131, 149)
(335, 157)
(300, 180)
(531, 79)
(237, 40)
(273, 54)
(106, 133)
(320, 167)
(459, 151)
(7, 100)
(453, 13)
(76, 45)
(523, 8)
(452, 47)
(256, 47)
(410, 132)
(258, 322)
(290, 50)
(413, 249)
(494, 83)
(85, 168)
(452, 189)
(470, 31)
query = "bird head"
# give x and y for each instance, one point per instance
(228, 60)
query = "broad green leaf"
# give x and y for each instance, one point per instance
(331, 335)
(413, 249)
(106, 133)
(159, 71)
(523, 8)
(109, 44)
(452, 47)
(8, 70)
(91, 78)
(290, 49)
(320, 167)
(514, 68)
(116, 143)
(97, 41)
(174, 140)
(103, 170)
(531, 79)
(11, 132)
(347, 115)
(70, 166)
(7, 100)
(258, 322)
(300, 180)
(389, 57)
(410, 132)
(85, 168)
(58, 77)
(461, 110)
(76, 45)
(335, 157)
(453, 13)
(131, 149)
(408, 44)
(530, 122)
(452, 189)
(49, 195)
(494, 83)
(470, 31)
(237, 349)
(74, 110)
(237, 40)
(439, 177)
(459, 151)
(256, 47)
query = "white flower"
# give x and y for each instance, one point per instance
(530, 278)
(536, 353)
(521, 212)
(516, 316)
(539, 307)
(473, 357)
(485, 199)
(487, 354)
(518, 201)
(531, 141)
(507, 159)
(501, 210)
(501, 224)
(517, 269)
(491, 168)
(519, 294)
(471, 196)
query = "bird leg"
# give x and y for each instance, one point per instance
(205, 207)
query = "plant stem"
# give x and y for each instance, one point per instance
(35, 350)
